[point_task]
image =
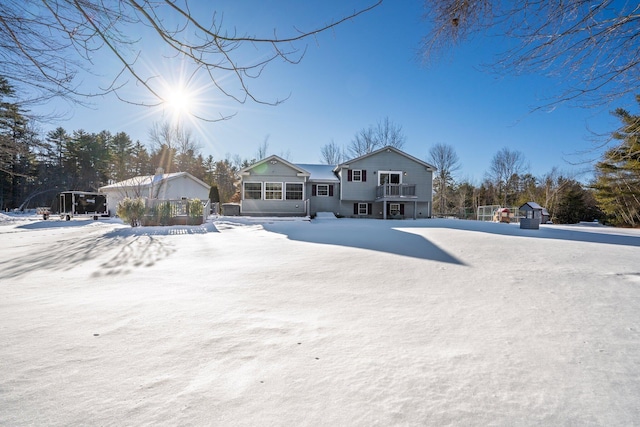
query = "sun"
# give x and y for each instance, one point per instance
(178, 101)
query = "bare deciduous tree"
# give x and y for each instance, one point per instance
(593, 45)
(263, 149)
(331, 154)
(44, 46)
(506, 165)
(172, 136)
(174, 145)
(384, 134)
(446, 160)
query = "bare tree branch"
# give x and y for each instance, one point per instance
(592, 47)
(384, 134)
(45, 46)
(332, 154)
(446, 161)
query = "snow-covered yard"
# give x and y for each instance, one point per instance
(343, 322)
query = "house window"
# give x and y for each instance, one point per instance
(359, 175)
(293, 191)
(253, 190)
(322, 190)
(363, 209)
(394, 209)
(273, 191)
(389, 177)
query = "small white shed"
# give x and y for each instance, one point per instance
(161, 186)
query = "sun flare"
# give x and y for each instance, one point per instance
(179, 101)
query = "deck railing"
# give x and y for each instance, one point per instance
(168, 211)
(396, 190)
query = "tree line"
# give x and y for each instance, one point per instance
(33, 168)
(593, 45)
(613, 196)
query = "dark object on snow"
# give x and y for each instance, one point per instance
(230, 209)
(82, 203)
(531, 213)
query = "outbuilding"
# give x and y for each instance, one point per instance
(531, 215)
(502, 215)
(161, 186)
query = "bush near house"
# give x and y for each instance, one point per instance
(134, 212)
(131, 211)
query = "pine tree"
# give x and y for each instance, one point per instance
(17, 162)
(121, 149)
(618, 174)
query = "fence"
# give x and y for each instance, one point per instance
(170, 212)
(488, 213)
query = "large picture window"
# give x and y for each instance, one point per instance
(293, 191)
(273, 191)
(253, 190)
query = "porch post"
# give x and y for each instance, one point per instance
(415, 209)
(384, 208)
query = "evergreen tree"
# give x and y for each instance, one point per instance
(57, 140)
(575, 204)
(17, 162)
(617, 182)
(164, 157)
(225, 179)
(122, 158)
(140, 161)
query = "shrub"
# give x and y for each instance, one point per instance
(163, 212)
(195, 208)
(131, 211)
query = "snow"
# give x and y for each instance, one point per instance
(320, 173)
(283, 321)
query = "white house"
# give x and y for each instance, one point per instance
(161, 186)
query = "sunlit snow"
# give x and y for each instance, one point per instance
(328, 322)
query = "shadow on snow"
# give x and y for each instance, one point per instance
(394, 236)
(125, 249)
(576, 233)
(375, 235)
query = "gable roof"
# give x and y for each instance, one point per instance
(148, 180)
(532, 205)
(387, 148)
(274, 158)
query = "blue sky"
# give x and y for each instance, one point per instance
(356, 75)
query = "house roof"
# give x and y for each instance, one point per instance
(532, 205)
(387, 148)
(320, 172)
(271, 158)
(147, 180)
